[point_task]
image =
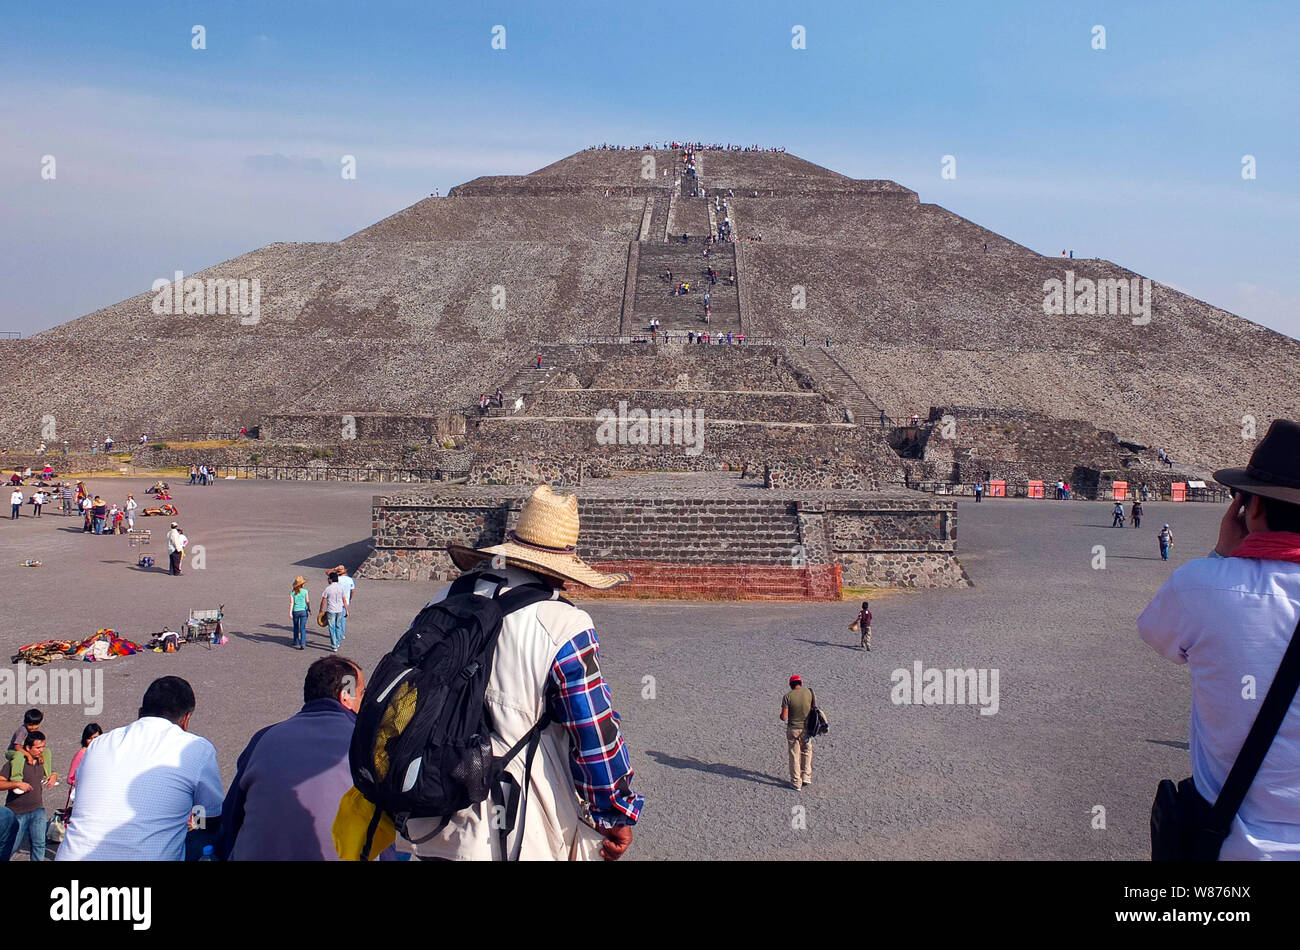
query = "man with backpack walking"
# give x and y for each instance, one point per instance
(513, 661)
(795, 707)
(1166, 539)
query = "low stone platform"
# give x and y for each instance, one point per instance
(712, 528)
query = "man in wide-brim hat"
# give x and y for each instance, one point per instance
(545, 541)
(1229, 616)
(580, 803)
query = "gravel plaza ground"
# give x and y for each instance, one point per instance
(1087, 714)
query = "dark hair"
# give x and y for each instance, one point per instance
(168, 697)
(33, 717)
(332, 577)
(327, 677)
(33, 738)
(90, 732)
(864, 605)
(1278, 515)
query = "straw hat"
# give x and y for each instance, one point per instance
(545, 541)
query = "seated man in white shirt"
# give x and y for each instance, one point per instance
(138, 785)
(1234, 613)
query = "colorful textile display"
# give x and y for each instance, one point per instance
(105, 645)
(38, 654)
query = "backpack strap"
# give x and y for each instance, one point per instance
(514, 802)
(370, 834)
(1267, 722)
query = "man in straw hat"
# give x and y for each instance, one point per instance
(1231, 615)
(580, 802)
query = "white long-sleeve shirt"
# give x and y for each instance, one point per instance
(1227, 619)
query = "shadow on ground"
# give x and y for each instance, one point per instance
(855, 647)
(715, 768)
(350, 556)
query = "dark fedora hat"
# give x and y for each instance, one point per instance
(1274, 469)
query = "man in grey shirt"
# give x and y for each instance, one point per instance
(334, 604)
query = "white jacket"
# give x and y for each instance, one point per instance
(1229, 618)
(556, 822)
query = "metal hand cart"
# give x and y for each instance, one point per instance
(203, 626)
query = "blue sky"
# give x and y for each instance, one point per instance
(170, 158)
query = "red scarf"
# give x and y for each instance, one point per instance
(1270, 546)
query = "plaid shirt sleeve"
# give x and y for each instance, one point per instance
(579, 700)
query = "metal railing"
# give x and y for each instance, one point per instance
(337, 473)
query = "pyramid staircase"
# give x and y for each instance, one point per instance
(834, 380)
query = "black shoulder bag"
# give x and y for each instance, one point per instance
(815, 725)
(1184, 826)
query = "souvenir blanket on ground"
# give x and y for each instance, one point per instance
(36, 654)
(104, 645)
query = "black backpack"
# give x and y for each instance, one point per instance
(422, 744)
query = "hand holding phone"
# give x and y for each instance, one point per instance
(1232, 528)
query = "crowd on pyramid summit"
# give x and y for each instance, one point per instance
(694, 146)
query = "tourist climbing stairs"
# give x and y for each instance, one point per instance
(529, 378)
(656, 296)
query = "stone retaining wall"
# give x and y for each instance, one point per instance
(729, 443)
(329, 427)
(784, 407)
(887, 541)
(79, 462)
(793, 477)
(558, 472)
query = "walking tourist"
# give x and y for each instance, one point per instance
(1117, 516)
(979, 492)
(334, 604)
(299, 607)
(795, 706)
(130, 511)
(1166, 539)
(139, 785)
(1137, 513)
(863, 626)
(1236, 610)
(15, 503)
(545, 686)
